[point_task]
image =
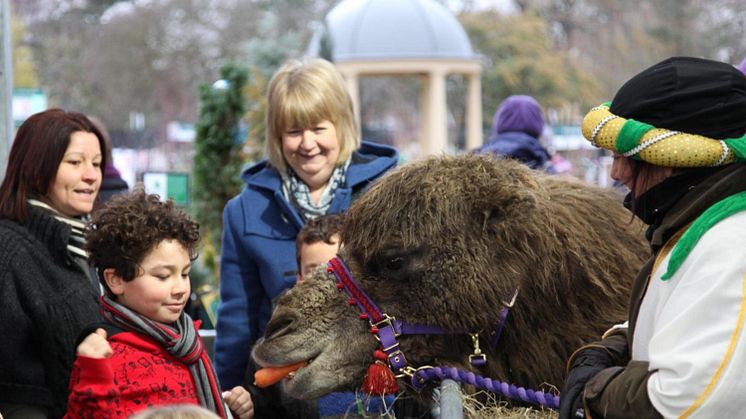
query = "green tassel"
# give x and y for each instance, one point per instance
(713, 215)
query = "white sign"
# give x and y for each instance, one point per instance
(156, 183)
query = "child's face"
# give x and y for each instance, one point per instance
(315, 254)
(162, 289)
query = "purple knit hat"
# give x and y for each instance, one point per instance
(742, 66)
(519, 113)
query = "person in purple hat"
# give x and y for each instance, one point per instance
(742, 66)
(516, 128)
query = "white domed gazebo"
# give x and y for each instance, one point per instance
(406, 37)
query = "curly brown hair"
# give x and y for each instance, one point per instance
(123, 232)
(319, 229)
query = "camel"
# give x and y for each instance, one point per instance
(450, 242)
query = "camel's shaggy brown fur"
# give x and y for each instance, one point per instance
(446, 241)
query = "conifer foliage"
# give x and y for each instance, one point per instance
(217, 159)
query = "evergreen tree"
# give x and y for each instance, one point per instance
(217, 159)
(326, 44)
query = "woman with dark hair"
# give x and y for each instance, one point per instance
(677, 130)
(47, 292)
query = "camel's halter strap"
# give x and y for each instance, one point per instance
(387, 329)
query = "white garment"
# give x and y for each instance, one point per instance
(690, 328)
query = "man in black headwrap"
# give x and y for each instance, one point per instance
(677, 132)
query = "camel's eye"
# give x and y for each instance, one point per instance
(394, 263)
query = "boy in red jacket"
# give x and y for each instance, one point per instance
(148, 351)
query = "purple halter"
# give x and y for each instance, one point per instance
(387, 328)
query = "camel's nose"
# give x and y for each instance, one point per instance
(281, 323)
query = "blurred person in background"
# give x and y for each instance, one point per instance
(112, 183)
(318, 242)
(516, 128)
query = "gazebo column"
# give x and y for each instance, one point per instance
(474, 113)
(353, 88)
(435, 122)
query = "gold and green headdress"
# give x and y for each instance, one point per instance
(658, 146)
(692, 110)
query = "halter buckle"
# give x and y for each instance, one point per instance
(406, 372)
(387, 321)
(477, 358)
(418, 382)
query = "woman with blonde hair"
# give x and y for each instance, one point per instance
(316, 165)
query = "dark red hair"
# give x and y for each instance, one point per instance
(36, 154)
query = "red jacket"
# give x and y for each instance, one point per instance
(138, 375)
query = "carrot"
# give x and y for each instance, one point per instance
(265, 377)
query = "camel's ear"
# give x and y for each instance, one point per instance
(510, 209)
(509, 201)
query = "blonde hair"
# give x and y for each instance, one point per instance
(303, 93)
(176, 411)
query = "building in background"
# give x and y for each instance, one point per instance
(403, 38)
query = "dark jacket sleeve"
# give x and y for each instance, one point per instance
(620, 392)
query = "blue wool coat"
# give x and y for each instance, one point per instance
(258, 253)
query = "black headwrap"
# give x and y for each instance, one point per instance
(687, 94)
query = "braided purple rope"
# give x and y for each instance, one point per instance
(510, 391)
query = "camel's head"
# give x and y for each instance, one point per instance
(442, 242)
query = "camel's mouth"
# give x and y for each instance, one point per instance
(334, 347)
(278, 363)
(272, 374)
(291, 374)
(318, 374)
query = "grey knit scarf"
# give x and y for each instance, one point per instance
(297, 193)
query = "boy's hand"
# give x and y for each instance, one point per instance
(95, 345)
(239, 401)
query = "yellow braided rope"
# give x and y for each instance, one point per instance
(658, 146)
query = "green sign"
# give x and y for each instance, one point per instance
(168, 185)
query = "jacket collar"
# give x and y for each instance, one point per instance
(722, 184)
(370, 159)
